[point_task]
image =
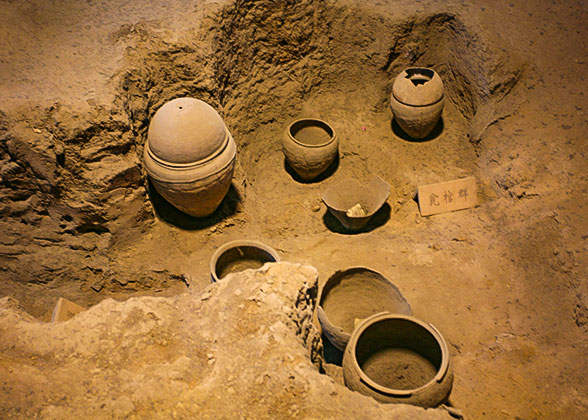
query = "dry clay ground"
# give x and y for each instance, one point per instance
(504, 282)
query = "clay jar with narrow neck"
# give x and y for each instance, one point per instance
(417, 101)
(190, 155)
(310, 146)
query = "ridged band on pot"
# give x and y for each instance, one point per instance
(354, 294)
(196, 187)
(391, 332)
(233, 251)
(310, 146)
(417, 101)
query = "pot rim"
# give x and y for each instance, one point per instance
(156, 168)
(346, 335)
(435, 77)
(190, 165)
(234, 244)
(313, 146)
(368, 322)
(369, 182)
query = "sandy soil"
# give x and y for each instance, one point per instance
(505, 282)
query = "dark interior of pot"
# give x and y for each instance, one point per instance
(398, 354)
(419, 76)
(359, 293)
(311, 132)
(240, 258)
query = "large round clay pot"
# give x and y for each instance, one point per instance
(417, 101)
(310, 146)
(353, 294)
(190, 155)
(240, 255)
(398, 359)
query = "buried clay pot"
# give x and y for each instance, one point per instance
(353, 294)
(190, 156)
(310, 146)
(353, 203)
(398, 359)
(239, 256)
(417, 101)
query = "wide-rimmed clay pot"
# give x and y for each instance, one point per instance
(354, 202)
(310, 146)
(417, 101)
(398, 359)
(240, 255)
(190, 155)
(353, 294)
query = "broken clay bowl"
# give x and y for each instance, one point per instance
(240, 255)
(417, 101)
(398, 359)
(353, 294)
(353, 203)
(310, 146)
(190, 156)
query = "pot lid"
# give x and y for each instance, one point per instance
(418, 86)
(185, 130)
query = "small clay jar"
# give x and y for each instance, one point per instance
(353, 294)
(398, 359)
(310, 146)
(417, 101)
(190, 155)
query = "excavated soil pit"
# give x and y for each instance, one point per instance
(80, 220)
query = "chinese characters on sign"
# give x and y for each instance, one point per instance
(447, 196)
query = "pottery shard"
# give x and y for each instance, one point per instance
(356, 211)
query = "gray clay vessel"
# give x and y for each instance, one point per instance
(240, 255)
(398, 359)
(310, 146)
(353, 202)
(190, 155)
(417, 101)
(353, 294)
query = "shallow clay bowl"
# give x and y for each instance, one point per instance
(353, 294)
(353, 203)
(240, 255)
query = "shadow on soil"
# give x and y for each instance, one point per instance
(171, 215)
(399, 132)
(377, 220)
(327, 173)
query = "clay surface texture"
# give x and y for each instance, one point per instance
(190, 155)
(240, 255)
(398, 359)
(310, 147)
(160, 358)
(417, 101)
(81, 218)
(355, 294)
(354, 202)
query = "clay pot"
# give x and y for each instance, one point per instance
(190, 155)
(240, 255)
(353, 203)
(417, 101)
(310, 146)
(353, 294)
(398, 359)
